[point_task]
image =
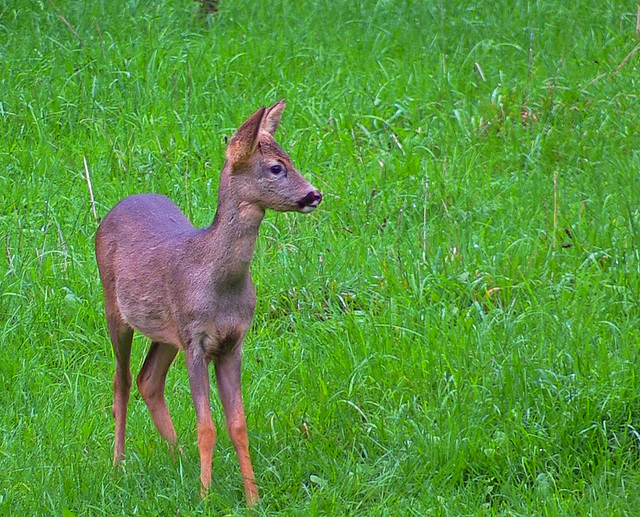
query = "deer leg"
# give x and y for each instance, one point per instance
(228, 369)
(151, 382)
(121, 337)
(197, 368)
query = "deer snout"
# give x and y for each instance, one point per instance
(310, 202)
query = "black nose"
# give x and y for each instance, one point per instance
(317, 197)
(313, 198)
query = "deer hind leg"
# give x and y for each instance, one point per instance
(197, 368)
(228, 369)
(151, 384)
(121, 337)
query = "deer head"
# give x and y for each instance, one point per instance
(260, 172)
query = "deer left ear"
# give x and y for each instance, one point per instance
(244, 141)
(272, 117)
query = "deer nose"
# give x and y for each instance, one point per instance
(310, 201)
(316, 197)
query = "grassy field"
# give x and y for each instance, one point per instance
(454, 332)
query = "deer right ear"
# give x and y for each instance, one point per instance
(272, 117)
(244, 141)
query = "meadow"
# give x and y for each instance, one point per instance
(454, 332)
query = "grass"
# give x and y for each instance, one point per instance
(453, 332)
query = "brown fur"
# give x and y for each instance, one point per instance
(191, 289)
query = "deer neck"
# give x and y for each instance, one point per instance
(233, 235)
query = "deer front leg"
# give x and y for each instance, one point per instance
(197, 368)
(228, 368)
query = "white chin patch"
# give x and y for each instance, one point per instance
(308, 208)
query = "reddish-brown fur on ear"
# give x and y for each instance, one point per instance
(244, 141)
(272, 117)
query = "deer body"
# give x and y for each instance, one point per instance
(189, 271)
(190, 289)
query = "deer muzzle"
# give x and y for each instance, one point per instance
(310, 202)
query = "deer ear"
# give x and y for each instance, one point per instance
(244, 141)
(272, 117)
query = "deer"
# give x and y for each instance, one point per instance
(190, 289)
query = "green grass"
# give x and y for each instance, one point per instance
(454, 332)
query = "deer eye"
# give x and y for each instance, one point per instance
(276, 169)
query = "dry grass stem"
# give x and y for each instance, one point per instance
(93, 202)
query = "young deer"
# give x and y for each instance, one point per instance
(190, 289)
